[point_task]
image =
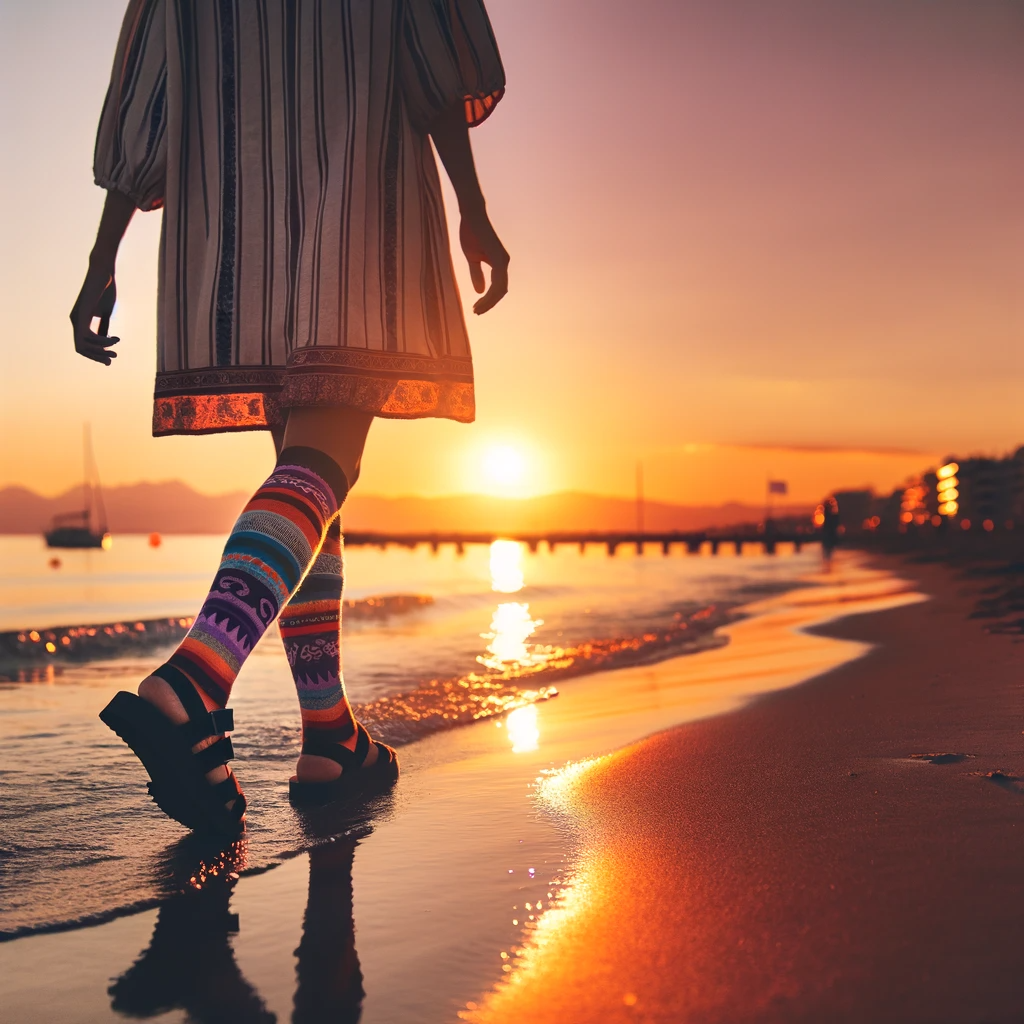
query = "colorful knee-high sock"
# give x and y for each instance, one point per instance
(268, 553)
(311, 630)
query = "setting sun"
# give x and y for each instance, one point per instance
(504, 465)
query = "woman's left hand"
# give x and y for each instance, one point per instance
(96, 299)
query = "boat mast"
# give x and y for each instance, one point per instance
(92, 474)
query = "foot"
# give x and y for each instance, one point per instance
(311, 768)
(155, 691)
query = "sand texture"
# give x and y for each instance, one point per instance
(800, 860)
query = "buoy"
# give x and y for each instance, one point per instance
(155, 540)
(55, 563)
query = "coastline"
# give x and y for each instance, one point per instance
(442, 882)
(847, 850)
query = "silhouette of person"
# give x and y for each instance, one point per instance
(305, 288)
(829, 529)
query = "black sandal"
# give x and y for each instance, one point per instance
(179, 786)
(355, 780)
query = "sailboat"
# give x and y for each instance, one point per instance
(76, 529)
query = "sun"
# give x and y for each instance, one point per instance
(504, 465)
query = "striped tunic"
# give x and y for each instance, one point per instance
(304, 258)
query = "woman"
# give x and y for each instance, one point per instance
(305, 287)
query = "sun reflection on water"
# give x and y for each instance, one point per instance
(507, 566)
(511, 627)
(521, 727)
(543, 930)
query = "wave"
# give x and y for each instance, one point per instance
(135, 883)
(446, 703)
(31, 655)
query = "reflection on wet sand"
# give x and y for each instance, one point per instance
(190, 964)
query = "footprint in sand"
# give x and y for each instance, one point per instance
(941, 758)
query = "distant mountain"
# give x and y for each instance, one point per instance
(169, 507)
(173, 507)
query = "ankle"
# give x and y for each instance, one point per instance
(160, 694)
(311, 768)
(314, 768)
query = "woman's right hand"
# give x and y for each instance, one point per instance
(96, 299)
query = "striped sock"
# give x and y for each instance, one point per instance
(311, 631)
(266, 556)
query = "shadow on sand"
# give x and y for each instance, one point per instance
(190, 963)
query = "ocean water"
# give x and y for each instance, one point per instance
(493, 628)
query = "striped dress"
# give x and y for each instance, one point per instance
(304, 257)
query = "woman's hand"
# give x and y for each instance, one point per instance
(479, 240)
(96, 299)
(98, 294)
(481, 244)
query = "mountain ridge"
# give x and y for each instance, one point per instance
(174, 507)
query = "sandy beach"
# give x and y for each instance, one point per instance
(788, 856)
(847, 850)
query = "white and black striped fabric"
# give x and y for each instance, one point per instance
(304, 257)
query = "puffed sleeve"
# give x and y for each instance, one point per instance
(447, 54)
(131, 143)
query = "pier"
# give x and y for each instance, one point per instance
(693, 542)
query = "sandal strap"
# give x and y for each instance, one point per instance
(322, 746)
(213, 723)
(201, 723)
(229, 789)
(183, 690)
(215, 754)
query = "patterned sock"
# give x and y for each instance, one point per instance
(311, 631)
(266, 556)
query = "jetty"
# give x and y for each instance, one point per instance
(750, 539)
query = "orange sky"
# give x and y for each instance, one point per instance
(747, 239)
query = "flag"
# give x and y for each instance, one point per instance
(777, 487)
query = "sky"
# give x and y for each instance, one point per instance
(748, 240)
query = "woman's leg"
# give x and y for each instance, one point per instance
(272, 546)
(311, 622)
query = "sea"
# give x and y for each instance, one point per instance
(432, 639)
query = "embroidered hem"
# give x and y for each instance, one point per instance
(392, 385)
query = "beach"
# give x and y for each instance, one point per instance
(697, 839)
(847, 851)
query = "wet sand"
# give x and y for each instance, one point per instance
(788, 860)
(799, 860)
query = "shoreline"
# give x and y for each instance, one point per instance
(446, 872)
(845, 850)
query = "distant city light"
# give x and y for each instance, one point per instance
(946, 489)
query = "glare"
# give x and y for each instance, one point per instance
(521, 728)
(949, 469)
(505, 465)
(507, 566)
(511, 627)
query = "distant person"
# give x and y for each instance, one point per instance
(829, 529)
(305, 287)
